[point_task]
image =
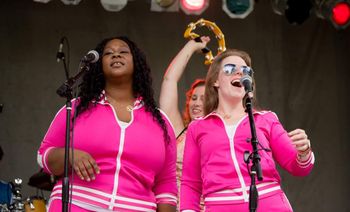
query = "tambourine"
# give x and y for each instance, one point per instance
(212, 27)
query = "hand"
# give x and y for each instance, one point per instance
(300, 141)
(198, 46)
(84, 165)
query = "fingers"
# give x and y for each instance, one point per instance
(302, 145)
(95, 167)
(199, 42)
(85, 166)
(78, 172)
(205, 39)
(296, 132)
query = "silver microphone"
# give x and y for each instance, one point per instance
(91, 57)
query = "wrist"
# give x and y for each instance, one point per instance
(305, 154)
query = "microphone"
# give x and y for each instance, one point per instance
(91, 57)
(247, 82)
(60, 54)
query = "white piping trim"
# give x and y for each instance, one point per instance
(127, 199)
(118, 166)
(94, 191)
(85, 205)
(240, 197)
(89, 206)
(86, 196)
(98, 192)
(269, 190)
(234, 159)
(118, 159)
(241, 189)
(107, 203)
(39, 160)
(166, 195)
(133, 207)
(313, 158)
(209, 199)
(44, 158)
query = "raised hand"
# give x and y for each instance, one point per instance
(198, 46)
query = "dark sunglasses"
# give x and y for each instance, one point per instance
(230, 69)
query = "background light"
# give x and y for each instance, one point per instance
(194, 7)
(238, 8)
(113, 5)
(335, 11)
(341, 13)
(165, 5)
(42, 1)
(71, 2)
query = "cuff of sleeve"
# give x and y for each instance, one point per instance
(44, 160)
(305, 161)
(166, 198)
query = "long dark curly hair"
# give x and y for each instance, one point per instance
(93, 82)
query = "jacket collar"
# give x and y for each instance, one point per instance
(138, 103)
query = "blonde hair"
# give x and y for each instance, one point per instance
(211, 93)
(186, 114)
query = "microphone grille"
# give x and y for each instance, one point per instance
(95, 54)
(246, 78)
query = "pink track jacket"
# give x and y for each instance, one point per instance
(137, 167)
(214, 166)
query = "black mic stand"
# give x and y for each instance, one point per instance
(65, 90)
(255, 170)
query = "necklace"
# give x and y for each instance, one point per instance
(128, 108)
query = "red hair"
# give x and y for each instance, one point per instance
(186, 114)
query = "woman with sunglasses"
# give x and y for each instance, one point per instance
(213, 163)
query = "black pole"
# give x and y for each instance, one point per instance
(65, 91)
(65, 182)
(255, 170)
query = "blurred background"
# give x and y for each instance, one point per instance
(299, 48)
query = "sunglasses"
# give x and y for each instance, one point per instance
(230, 69)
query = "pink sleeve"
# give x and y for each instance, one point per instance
(284, 152)
(165, 187)
(55, 137)
(191, 182)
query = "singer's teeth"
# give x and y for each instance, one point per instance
(117, 64)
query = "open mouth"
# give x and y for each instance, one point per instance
(236, 83)
(117, 64)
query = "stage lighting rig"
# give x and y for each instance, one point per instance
(336, 12)
(194, 7)
(165, 5)
(238, 8)
(113, 5)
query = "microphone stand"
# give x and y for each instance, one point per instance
(255, 170)
(65, 90)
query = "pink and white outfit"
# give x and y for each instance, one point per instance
(137, 167)
(214, 166)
